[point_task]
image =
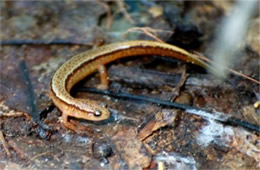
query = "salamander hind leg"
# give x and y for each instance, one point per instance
(104, 80)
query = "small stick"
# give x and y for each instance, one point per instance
(148, 31)
(121, 7)
(231, 70)
(109, 18)
(2, 139)
(32, 101)
(18, 149)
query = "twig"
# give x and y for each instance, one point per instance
(202, 57)
(32, 102)
(218, 116)
(41, 154)
(18, 150)
(5, 111)
(2, 139)
(148, 31)
(121, 7)
(109, 18)
(29, 91)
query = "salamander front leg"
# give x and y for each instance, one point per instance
(104, 80)
(75, 125)
(67, 124)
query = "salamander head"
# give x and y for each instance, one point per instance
(92, 111)
(98, 114)
(81, 108)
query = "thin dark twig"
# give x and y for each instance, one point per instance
(42, 42)
(32, 102)
(245, 124)
(188, 109)
(137, 97)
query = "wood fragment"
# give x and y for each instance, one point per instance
(250, 115)
(161, 165)
(162, 119)
(181, 83)
(130, 149)
(149, 149)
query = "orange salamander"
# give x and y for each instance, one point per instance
(83, 64)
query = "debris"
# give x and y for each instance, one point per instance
(162, 119)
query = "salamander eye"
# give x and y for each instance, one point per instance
(97, 113)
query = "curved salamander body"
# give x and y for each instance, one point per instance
(83, 64)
